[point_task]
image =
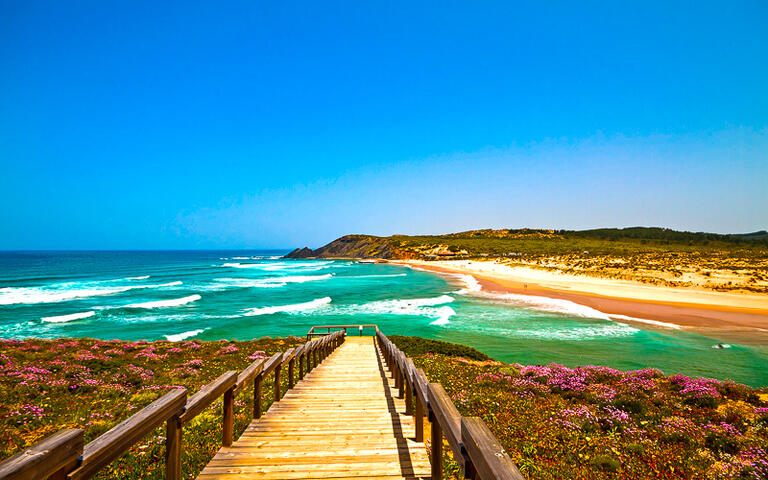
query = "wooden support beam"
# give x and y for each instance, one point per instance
(229, 417)
(173, 435)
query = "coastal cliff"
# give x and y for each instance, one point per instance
(353, 246)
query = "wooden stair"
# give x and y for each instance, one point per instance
(343, 420)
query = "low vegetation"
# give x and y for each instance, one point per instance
(555, 422)
(47, 385)
(598, 423)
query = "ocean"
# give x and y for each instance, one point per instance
(212, 295)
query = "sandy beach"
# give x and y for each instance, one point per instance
(728, 316)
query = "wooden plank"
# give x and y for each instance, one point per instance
(271, 364)
(208, 394)
(339, 421)
(488, 457)
(248, 375)
(44, 458)
(447, 416)
(120, 438)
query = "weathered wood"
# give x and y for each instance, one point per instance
(248, 374)
(446, 415)
(278, 393)
(229, 417)
(436, 449)
(488, 458)
(45, 458)
(410, 369)
(173, 435)
(419, 420)
(257, 407)
(290, 373)
(207, 395)
(272, 363)
(341, 421)
(120, 438)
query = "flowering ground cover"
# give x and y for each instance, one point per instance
(597, 422)
(47, 385)
(555, 422)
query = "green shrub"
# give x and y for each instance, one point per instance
(606, 463)
(415, 346)
(635, 448)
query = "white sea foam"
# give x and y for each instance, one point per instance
(270, 266)
(578, 333)
(546, 304)
(420, 307)
(68, 318)
(66, 291)
(377, 276)
(443, 314)
(297, 307)
(272, 282)
(137, 278)
(645, 320)
(184, 335)
(164, 303)
(471, 285)
(241, 258)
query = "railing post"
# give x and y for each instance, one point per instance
(301, 366)
(173, 448)
(290, 373)
(436, 452)
(419, 420)
(408, 397)
(277, 382)
(229, 416)
(257, 395)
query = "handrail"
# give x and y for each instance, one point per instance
(488, 457)
(64, 455)
(100, 452)
(49, 457)
(207, 395)
(311, 333)
(474, 447)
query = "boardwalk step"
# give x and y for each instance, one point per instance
(342, 420)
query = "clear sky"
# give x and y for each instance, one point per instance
(145, 124)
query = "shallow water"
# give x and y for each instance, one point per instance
(238, 295)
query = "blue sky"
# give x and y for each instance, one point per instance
(272, 124)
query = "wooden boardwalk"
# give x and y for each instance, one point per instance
(343, 420)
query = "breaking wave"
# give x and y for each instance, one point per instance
(296, 307)
(165, 303)
(272, 282)
(184, 335)
(68, 318)
(420, 307)
(64, 292)
(137, 278)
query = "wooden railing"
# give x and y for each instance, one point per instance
(474, 447)
(62, 456)
(319, 333)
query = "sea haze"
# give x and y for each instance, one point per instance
(210, 295)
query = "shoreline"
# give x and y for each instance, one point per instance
(730, 321)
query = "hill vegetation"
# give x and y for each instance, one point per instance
(652, 255)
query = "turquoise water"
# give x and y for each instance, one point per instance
(246, 294)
